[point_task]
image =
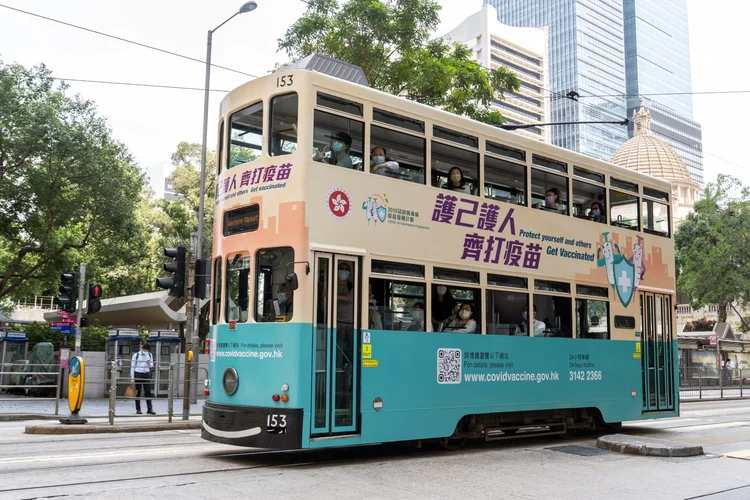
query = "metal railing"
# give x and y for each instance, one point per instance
(115, 377)
(698, 383)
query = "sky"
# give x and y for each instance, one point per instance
(151, 122)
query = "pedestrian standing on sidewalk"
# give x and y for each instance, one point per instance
(140, 375)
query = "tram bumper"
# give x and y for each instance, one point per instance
(252, 426)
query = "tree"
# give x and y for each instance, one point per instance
(390, 41)
(713, 249)
(67, 184)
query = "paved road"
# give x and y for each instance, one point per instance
(178, 464)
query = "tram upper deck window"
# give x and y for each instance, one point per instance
(396, 120)
(283, 115)
(504, 181)
(549, 191)
(339, 104)
(589, 201)
(406, 150)
(655, 213)
(454, 168)
(396, 305)
(624, 210)
(238, 286)
(275, 302)
(338, 140)
(246, 135)
(507, 151)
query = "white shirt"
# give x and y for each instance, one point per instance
(141, 363)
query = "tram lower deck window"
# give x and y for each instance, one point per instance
(275, 302)
(238, 286)
(396, 305)
(592, 319)
(456, 309)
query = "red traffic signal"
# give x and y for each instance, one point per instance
(95, 291)
(94, 304)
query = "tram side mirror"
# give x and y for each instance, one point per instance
(291, 282)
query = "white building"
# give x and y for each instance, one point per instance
(523, 51)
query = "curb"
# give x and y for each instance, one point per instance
(15, 417)
(623, 443)
(110, 429)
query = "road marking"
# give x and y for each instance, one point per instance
(690, 428)
(79, 456)
(741, 454)
(639, 423)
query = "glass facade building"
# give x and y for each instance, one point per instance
(657, 61)
(586, 55)
(614, 49)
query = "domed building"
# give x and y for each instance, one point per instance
(647, 154)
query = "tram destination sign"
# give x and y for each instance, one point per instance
(242, 220)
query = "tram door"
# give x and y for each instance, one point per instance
(657, 352)
(335, 344)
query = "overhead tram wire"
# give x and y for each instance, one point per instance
(169, 52)
(131, 84)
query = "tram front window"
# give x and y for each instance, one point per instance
(275, 300)
(238, 285)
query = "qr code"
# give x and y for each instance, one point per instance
(449, 366)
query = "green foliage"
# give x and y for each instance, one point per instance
(713, 248)
(390, 41)
(67, 186)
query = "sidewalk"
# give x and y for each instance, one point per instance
(25, 408)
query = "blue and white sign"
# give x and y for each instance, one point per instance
(13, 336)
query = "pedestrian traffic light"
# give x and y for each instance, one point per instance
(94, 305)
(202, 278)
(69, 292)
(175, 284)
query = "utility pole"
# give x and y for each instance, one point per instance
(190, 313)
(81, 286)
(195, 245)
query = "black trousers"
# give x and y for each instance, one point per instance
(143, 386)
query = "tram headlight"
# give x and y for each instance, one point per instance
(230, 381)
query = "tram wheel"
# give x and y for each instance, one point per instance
(452, 444)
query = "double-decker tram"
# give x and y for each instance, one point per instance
(384, 271)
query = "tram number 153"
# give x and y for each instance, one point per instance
(285, 81)
(276, 424)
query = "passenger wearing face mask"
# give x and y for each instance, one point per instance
(379, 163)
(443, 305)
(463, 322)
(539, 326)
(456, 181)
(286, 301)
(597, 212)
(417, 316)
(338, 149)
(552, 200)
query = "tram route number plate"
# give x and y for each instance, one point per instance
(276, 424)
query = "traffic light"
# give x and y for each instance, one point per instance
(202, 278)
(93, 302)
(69, 292)
(175, 284)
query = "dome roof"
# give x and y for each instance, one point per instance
(646, 154)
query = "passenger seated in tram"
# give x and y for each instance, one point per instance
(462, 323)
(379, 162)
(552, 200)
(539, 326)
(376, 321)
(597, 212)
(443, 305)
(456, 181)
(286, 301)
(417, 315)
(338, 148)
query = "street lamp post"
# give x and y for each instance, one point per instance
(195, 338)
